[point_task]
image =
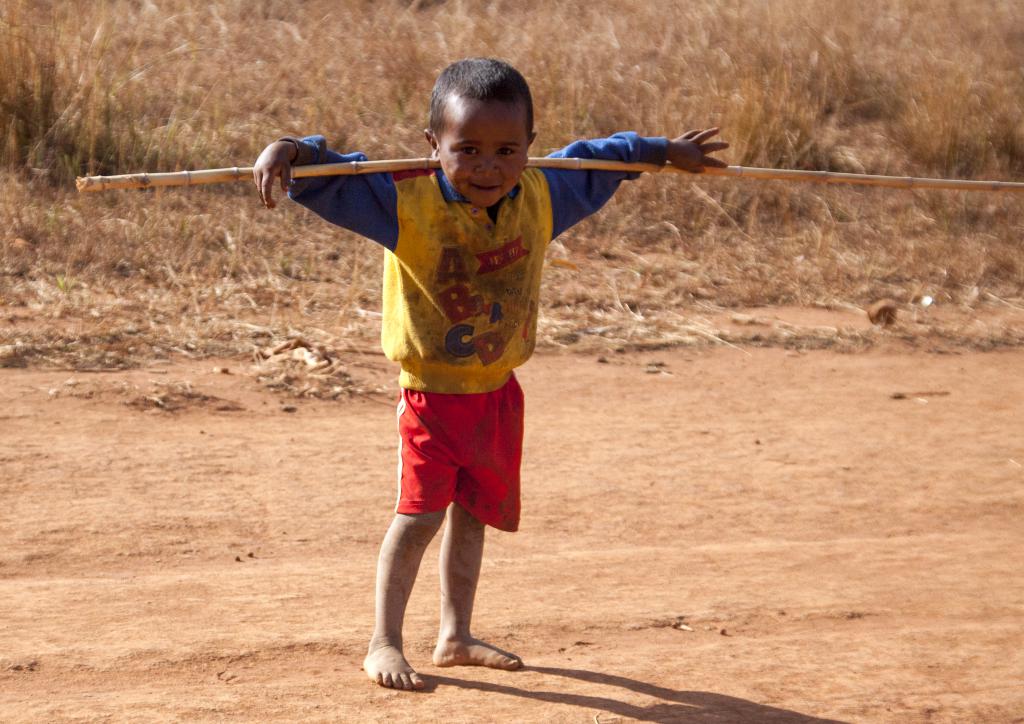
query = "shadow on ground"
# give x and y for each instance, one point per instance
(676, 706)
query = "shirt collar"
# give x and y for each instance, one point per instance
(450, 194)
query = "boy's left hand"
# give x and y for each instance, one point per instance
(690, 151)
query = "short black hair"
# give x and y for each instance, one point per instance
(482, 79)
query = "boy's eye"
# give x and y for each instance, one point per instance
(470, 150)
(506, 151)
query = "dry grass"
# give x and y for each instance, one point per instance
(905, 87)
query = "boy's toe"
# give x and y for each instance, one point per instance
(387, 667)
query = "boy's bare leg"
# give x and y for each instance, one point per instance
(400, 556)
(461, 552)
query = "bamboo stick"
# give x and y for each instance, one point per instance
(244, 173)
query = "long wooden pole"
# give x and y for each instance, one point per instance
(240, 173)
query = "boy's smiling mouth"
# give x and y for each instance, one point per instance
(483, 194)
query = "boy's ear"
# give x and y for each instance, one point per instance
(431, 139)
(529, 139)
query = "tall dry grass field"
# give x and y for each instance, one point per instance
(908, 87)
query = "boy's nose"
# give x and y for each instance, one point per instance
(486, 164)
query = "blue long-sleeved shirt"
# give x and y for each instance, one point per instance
(367, 203)
(461, 289)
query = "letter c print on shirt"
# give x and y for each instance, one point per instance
(456, 342)
(489, 346)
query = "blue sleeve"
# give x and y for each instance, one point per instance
(364, 203)
(576, 195)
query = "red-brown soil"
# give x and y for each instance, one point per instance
(723, 535)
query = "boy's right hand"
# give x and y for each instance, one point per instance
(274, 162)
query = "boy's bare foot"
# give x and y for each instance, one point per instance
(474, 652)
(386, 665)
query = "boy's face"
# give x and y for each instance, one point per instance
(483, 147)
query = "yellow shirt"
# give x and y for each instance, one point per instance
(460, 291)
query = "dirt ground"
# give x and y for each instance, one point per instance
(716, 535)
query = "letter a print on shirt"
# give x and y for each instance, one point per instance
(451, 268)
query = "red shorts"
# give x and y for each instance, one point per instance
(464, 449)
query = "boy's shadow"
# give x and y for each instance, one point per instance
(677, 706)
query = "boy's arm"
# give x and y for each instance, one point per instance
(576, 195)
(365, 203)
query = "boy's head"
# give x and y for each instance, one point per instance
(481, 127)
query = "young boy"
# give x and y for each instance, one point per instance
(465, 250)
